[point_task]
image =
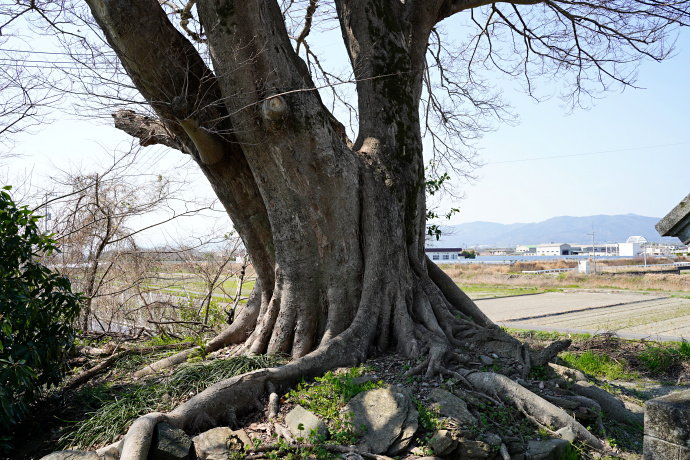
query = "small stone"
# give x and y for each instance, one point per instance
(474, 449)
(494, 355)
(567, 433)
(541, 385)
(486, 360)
(366, 378)
(299, 417)
(217, 443)
(547, 449)
(442, 442)
(389, 415)
(492, 439)
(514, 445)
(452, 406)
(170, 443)
(418, 451)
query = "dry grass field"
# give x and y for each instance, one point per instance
(491, 277)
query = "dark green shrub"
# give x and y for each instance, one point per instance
(37, 310)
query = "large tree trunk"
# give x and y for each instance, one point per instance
(335, 229)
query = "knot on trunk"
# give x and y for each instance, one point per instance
(274, 110)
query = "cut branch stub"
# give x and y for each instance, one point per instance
(209, 146)
(274, 109)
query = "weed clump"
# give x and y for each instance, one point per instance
(662, 358)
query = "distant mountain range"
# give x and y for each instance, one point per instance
(564, 229)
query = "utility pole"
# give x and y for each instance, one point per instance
(594, 254)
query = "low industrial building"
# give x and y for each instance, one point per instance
(444, 255)
(553, 249)
(632, 247)
(526, 249)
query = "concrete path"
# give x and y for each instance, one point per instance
(632, 315)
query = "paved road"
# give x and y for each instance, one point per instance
(633, 315)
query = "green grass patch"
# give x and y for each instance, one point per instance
(327, 396)
(110, 408)
(480, 291)
(598, 365)
(545, 335)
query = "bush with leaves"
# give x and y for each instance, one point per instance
(37, 312)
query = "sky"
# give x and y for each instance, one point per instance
(627, 154)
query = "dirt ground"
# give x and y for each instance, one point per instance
(630, 314)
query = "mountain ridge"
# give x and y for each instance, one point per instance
(560, 229)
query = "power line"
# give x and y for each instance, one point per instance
(50, 52)
(585, 154)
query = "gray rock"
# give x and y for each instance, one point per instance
(567, 433)
(366, 378)
(668, 418)
(474, 449)
(486, 360)
(386, 414)
(550, 449)
(410, 426)
(452, 406)
(170, 443)
(352, 456)
(492, 439)
(514, 445)
(301, 416)
(677, 222)
(72, 455)
(658, 449)
(667, 426)
(216, 444)
(443, 442)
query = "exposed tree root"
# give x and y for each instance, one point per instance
(537, 407)
(542, 357)
(617, 409)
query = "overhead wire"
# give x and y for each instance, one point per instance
(520, 160)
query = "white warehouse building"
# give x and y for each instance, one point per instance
(632, 247)
(553, 249)
(444, 255)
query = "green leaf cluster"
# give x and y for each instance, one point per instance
(37, 311)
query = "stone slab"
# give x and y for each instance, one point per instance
(658, 449)
(668, 418)
(677, 222)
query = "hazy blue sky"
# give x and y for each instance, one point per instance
(628, 154)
